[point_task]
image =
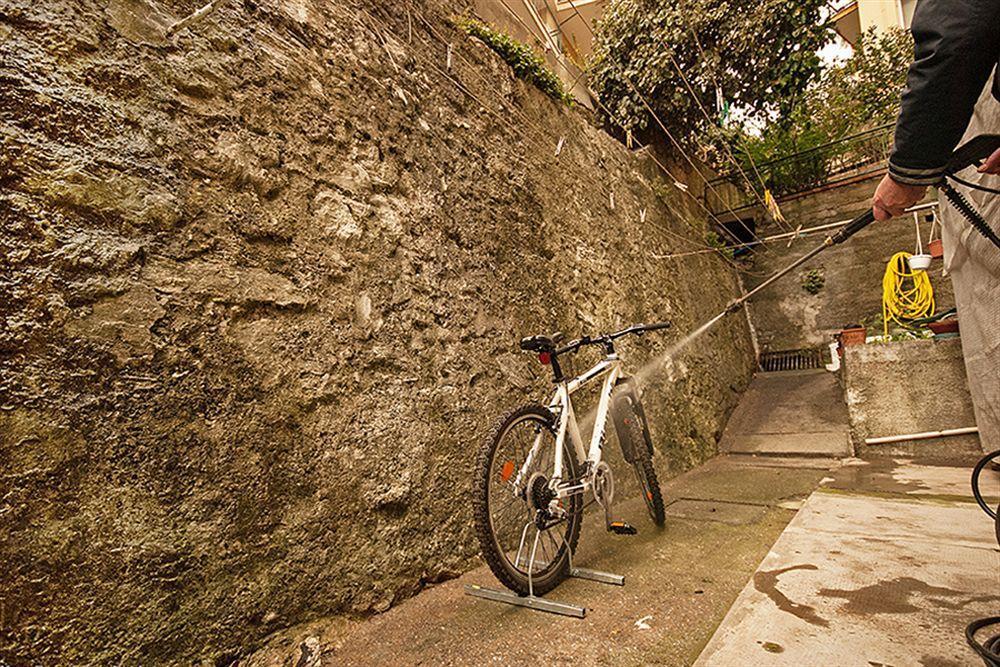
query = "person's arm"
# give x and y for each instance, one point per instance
(956, 43)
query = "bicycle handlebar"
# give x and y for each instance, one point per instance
(606, 339)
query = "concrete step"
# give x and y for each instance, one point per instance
(800, 413)
(832, 443)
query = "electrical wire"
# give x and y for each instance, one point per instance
(711, 73)
(725, 149)
(705, 248)
(963, 206)
(974, 186)
(537, 131)
(906, 295)
(680, 149)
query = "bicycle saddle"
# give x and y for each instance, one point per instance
(542, 343)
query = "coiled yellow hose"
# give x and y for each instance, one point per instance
(906, 295)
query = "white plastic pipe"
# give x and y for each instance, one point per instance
(927, 435)
(834, 364)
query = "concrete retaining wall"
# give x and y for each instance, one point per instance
(909, 387)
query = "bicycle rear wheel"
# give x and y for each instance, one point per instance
(507, 494)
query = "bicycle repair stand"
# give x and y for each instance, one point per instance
(532, 601)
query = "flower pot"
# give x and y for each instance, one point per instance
(936, 248)
(948, 326)
(918, 262)
(853, 336)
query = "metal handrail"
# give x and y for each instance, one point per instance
(881, 129)
(814, 167)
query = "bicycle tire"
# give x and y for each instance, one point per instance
(642, 462)
(493, 553)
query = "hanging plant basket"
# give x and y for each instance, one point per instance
(936, 248)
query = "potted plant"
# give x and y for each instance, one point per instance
(936, 248)
(945, 326)
(852, 334)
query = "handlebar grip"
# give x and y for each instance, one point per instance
(854, 226)
(657, 326)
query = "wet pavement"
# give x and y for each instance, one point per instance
(803, 561)
(884, 565)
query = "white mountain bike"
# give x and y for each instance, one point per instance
(533, 471)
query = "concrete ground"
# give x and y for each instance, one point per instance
(765, 560)
(884, 566)
(790, 412)
(722, 519)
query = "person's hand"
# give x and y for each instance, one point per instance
(992, 165)
(892, 198)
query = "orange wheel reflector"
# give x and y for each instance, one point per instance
(506, 471)
(649, 494)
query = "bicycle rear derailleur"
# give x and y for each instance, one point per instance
(544, 501)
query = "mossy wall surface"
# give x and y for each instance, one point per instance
(262, 288)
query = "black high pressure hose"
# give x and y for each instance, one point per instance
(989, 650)
(963, 206)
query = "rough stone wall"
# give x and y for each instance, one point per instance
(262, 287)
(909, 387)
(786, 316)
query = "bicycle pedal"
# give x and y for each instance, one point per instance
(621, 528)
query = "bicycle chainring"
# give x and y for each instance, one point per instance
(604, 485)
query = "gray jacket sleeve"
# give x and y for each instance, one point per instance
(957, 44)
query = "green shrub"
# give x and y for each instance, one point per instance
(761, 54)
(527, 65)
(813, 281)
(717, 242)
(858, 94)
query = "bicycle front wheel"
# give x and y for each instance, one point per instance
(642, 458)
(513, 470)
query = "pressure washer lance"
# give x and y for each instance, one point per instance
(970, 153)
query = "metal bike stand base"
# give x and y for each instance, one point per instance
(529, 601)
(541, 604)
(594, 575)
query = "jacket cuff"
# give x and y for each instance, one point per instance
(909, 176)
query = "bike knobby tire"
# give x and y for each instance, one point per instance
(500, 512)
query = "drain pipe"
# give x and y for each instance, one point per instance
(834, 364)
(927, 435)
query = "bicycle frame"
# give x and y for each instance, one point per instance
(561, 404)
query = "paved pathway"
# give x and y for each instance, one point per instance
(883, 566)
(790, 412)
(722, 519)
